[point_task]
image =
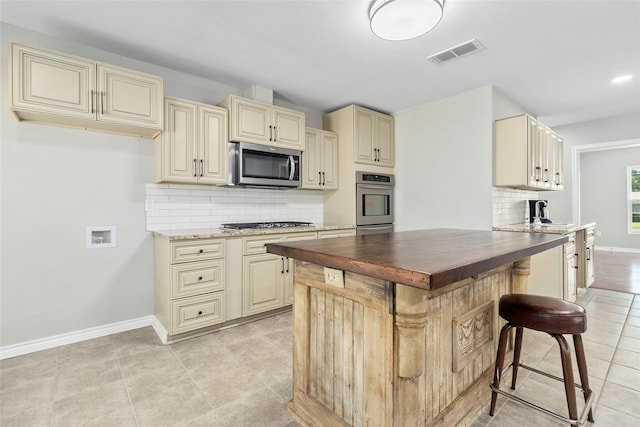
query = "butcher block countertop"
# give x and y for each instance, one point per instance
(426, 259)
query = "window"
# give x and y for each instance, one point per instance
(633, 196)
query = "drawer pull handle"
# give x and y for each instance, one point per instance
(200, 313)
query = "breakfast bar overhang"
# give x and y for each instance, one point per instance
(400, 329)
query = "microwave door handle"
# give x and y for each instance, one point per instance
(371, 187)
(293, 168)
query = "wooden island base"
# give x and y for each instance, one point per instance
(370, 352)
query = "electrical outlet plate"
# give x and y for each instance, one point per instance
(334, 277)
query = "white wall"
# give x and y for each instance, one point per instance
(611, 130)
(444, 163)
(56, 181)
(603, 188)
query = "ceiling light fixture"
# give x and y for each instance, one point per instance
(622, 79)
(404, 19)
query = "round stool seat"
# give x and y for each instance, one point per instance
(546, 314)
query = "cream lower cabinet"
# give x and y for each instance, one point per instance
(585, 249)
(252, 121)
(320, 160)
(554, 272)
(193, 147)
(189, 280)
(57, 88)
(267, 279)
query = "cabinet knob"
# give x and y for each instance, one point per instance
(201, 251)
(200, 278)
(200, 313)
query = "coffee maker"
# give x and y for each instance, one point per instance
(539, 209)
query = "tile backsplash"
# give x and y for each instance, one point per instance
(510, 205)
(181, 207)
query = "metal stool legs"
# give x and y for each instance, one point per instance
(567, 372)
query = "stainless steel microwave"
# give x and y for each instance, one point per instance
(263, 166)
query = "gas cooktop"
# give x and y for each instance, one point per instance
(272, 224)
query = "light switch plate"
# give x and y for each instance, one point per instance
(334, 277)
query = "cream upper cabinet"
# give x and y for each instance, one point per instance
(374, 138)
(252, 121)
(193, 147)
(372, 134)
(320, 160)
(57, 88)
(528, 155)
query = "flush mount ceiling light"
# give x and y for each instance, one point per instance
(622, 79)
(404, 19)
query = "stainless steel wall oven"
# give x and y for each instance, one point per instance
(374, 203)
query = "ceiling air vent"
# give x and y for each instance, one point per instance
(452, 53)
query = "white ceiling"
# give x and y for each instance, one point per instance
(556, 58)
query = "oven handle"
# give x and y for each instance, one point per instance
(293, 168)
(376, 187)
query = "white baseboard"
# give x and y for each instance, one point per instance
(72, 337)
(162, 333)
(613, 249)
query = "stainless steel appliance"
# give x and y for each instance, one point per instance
(271, 224)
(263, 166)
(374, 203)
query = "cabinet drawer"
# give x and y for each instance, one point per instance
(326, 234)
(311, 235)
(197, 278)
(197, 312)
(256, 244)
(196, 250)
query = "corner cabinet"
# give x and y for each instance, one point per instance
(320, 160)
(528, 155)
(371, 133)
(252, 121)
(189, 280)
(267, 279)
(56, 88)
(193, 146)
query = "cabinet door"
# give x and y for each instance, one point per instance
(287, 128)
(557, 165)
(46, 82)
(329, 158)
(364, 137)
(535, 138)
(589, 270)
(262, 283)
(250, 122)
(130, 98)
(179, 150)
(570, 278)
(311, 161)
(212, 145)
(385, 140)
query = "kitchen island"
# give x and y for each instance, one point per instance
(400, 329)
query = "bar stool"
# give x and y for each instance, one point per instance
(557, 318)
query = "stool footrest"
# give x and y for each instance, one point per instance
(583, 416)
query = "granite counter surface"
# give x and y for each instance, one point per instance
(544, 228)
(210, 233)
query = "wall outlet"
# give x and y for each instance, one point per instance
(598, 233)
(149, 205)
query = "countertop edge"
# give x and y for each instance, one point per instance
(226, 233)
(548, 229)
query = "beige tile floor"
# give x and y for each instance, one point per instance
(242, 376)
